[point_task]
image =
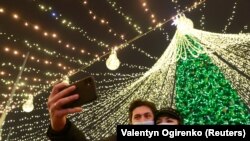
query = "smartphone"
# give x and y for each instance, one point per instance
(86, 89)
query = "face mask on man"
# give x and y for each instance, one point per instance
(148, 122)
(166, 123)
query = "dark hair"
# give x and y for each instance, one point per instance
(169, 112)
(138, 103)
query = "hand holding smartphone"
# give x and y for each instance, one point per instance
(86, 89)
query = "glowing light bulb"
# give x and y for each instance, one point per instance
(26, 24)
(122, 36)
(113, 62)
(54, 35)
(15, 52)
(2, 73)
(36, 27)
(28, 105)
(7, 49)
(15, 16)
(102, 21)
(1, 10)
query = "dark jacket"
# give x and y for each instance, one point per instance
(71, 133)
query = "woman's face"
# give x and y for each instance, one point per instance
(166, 121)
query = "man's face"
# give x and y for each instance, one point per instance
(167, 120)
(141, 114)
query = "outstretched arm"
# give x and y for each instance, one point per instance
(61, 129)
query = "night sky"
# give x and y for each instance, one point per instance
(69, 36)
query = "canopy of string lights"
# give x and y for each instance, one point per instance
(184, 54)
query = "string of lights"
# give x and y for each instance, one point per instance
(38, 60)
(53, 35)
(134, 66)
(69, 24)
(143, 52)
(231, 18)
(244, 29)
(203, 18)
(177, 6)
(127, 18)
(38, 72)
(71, 60)
(149, 11)
(67, 45)
(103, 21)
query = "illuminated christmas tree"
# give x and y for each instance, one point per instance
(204, 95)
